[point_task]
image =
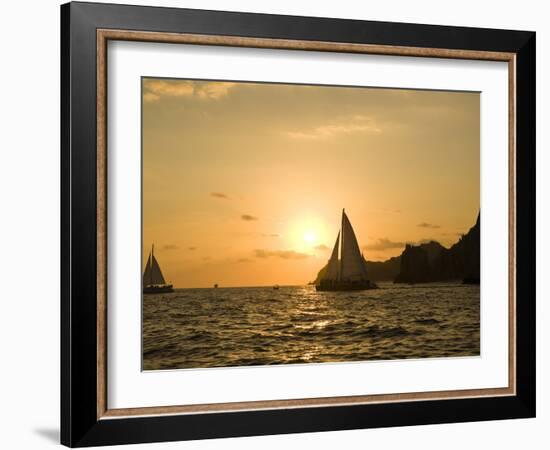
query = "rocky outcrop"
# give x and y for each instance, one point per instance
(419, 262)
(431, 261)
(384, 270)
(376, 270)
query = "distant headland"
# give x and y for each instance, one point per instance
(431, 262)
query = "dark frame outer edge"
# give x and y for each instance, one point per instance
(65, 371)
(526, 223)
(79, 425)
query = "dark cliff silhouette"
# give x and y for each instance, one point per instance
(431, 261)
(376, 270)
(384, 270)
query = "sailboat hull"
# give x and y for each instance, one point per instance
(346, 286)
(163, 289)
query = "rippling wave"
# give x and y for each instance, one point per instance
(192, 328)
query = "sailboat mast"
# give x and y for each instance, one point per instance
(152, 259)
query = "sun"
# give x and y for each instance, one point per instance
(304, 233)
(310, 237)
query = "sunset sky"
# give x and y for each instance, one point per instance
(244, 183)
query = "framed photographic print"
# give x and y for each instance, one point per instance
(276, 224)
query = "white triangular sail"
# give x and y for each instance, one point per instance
(352, 267)
(333, 265)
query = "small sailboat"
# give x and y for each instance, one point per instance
(153, 281)
(346, 269)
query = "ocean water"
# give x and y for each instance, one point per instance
(193, 328)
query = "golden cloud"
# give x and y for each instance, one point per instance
(384, 244)
(155, 89)
(347, 125)
(219, 195)
(283, 254)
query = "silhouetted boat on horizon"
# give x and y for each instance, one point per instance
(153, 281)
(346, 269)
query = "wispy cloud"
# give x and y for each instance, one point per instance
(384, 244)
(273, 235)
(155, 89)
(150, 97)
(219, 195)
(248, 217)
(322, 247)
(424, 241)
(387, 244)
(170, 247)
(284, 254)
(428, 225)
(346, 125)
(454, 233)
(213, 90)
(245, 260)
(191, 249)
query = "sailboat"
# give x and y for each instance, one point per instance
(346, 269)
(153, 281)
